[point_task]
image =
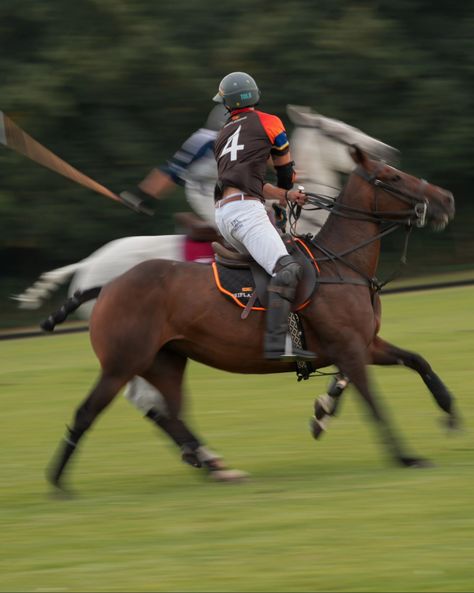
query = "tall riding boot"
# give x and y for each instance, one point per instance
(277, 329)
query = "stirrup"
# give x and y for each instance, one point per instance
(291, 353)
(297, 355)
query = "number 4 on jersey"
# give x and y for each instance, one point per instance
(232, 145)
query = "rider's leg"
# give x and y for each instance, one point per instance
(246, 226)
(281, 293)
(200, 196)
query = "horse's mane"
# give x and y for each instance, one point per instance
(305, 117)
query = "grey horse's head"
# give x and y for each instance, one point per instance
(302, 116)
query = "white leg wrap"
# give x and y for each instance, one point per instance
(323, 423)
(144, 396)
(327, 402)
(204, 454)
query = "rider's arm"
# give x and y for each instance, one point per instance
(156, 183)
(286, 177)
(162, 179)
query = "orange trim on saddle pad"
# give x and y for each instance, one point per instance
(309, 252)
(224, 291)
(236, 300)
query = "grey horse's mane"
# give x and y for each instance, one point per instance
(303, 116)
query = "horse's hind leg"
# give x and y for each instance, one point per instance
(149, 401)
(166, 375)
(384, 353)
(99, 398)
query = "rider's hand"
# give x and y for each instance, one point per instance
(296, 195)
(136, 202)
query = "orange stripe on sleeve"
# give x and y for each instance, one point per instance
(272, 125)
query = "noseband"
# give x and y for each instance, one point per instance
(418, 202)
(415, 213)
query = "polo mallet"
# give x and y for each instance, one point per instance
(13, 137)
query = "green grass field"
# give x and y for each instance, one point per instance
(333, 515)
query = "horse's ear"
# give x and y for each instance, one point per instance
(358, 155)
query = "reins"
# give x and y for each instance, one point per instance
(406, 218)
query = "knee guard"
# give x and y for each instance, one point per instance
(288, 273)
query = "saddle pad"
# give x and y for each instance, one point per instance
(237, 284)
(198, 251)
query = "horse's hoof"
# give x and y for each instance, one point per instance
(59, 491)
(214, 464)
(417, 462)
(452, 423)
(317, 427)
(228, 475)
(61, 494)
(191, 459)
(48, 324)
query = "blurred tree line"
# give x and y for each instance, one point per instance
(115, 86)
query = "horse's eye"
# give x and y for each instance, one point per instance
(396, 178)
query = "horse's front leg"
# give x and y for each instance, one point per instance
(327, 404)
(384, 353)
(352, 363)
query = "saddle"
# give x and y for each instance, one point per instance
(198, 235)
(245, 282)
(195, 228)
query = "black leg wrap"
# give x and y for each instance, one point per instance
(61, 314)
(180, 434)
(69, 307)
(439, 391)
(175, 429)
(189, 454)
(63, 455)
(48, 324)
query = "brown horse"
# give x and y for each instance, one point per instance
(177, 312)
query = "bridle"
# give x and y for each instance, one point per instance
(418, 201)
(415, 214)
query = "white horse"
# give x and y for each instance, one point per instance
(319, 146)
(319, 149)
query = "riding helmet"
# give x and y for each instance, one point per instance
(217, 117)
(237, 90)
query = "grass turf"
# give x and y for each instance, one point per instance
(333, 515)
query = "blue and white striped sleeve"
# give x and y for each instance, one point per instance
(191, 150)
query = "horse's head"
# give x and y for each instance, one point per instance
(403, 197)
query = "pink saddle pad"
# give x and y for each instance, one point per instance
(198, 251)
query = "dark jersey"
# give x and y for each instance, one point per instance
(242, 149)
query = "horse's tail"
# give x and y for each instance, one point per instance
(35, 295)
(69, 306)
